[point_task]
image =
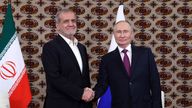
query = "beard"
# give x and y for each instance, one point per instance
(68, 33)
(71, 32)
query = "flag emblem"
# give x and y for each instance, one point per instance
(13, 74)
(8, 70)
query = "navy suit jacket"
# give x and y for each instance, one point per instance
(65, 82)
(140, 90)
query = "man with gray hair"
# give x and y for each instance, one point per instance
(65, 61)
(130, 71)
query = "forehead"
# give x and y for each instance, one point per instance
(122, 25)
(67, 15)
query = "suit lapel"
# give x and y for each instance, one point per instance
(119, 62)
(82, 57)
(135, 56)
(68, 51)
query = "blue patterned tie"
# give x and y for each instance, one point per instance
(126, 62)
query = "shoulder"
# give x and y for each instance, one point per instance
(141, 48)
(52, 43)
(110, 55)
(81, 46)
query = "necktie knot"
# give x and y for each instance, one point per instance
(124, 51)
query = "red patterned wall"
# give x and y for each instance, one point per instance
(163, 25)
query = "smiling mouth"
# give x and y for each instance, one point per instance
(122, 39)
(71, 28)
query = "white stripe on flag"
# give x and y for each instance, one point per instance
(13, 54)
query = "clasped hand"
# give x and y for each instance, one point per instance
(88, 94)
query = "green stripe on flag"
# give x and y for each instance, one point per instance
(8, 30)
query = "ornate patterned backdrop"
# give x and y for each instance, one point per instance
(163, 25)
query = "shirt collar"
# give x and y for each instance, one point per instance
(70, 42)
(127, 48)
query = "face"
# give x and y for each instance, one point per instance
(67, 24)
(123, 34)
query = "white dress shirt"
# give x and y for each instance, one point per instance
(74, 48)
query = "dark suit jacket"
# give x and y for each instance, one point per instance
(140, 90)
(65, 82)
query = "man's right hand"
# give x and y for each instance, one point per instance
(88, 94)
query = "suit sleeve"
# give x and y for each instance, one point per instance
(102, 81)
(154, 82)
(50, 59)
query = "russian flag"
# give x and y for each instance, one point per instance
(105, 100)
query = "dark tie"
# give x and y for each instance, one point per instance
(126, 62)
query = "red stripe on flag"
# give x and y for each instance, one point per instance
(21, 95)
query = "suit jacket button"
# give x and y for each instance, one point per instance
(130, 83)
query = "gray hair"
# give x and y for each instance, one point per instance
(57, 18)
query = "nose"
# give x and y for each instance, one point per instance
(122, 34)
(70, 23)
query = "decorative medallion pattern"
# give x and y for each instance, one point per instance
(163, 25)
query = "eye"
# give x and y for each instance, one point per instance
(118, 31)
(65, 21)
(125, 31)
(73, 20)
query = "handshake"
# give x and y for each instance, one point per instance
(88, 94)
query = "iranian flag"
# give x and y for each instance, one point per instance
(13, 73)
